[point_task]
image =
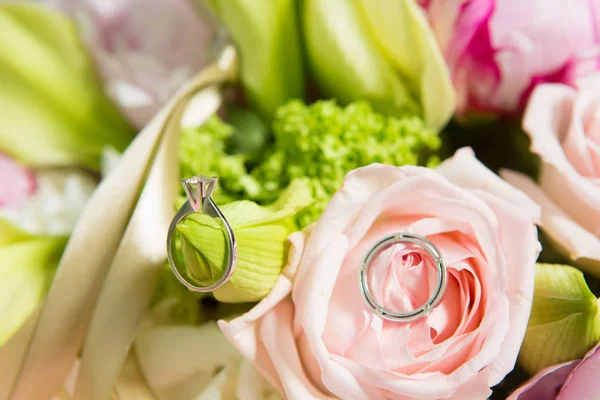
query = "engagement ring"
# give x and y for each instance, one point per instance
(435, 297)
(199, 190)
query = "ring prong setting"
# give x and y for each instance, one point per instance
(197, 188)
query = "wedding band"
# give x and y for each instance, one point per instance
(199, 190)
(433, 300)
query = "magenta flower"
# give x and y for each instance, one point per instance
(499, 50)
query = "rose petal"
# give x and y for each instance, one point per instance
(358, 188)
(277, 336)
(575, 142)
(546, 121)
(583, 383)
(521, 252)
(579, 244)
(545, 384)
(464, 170)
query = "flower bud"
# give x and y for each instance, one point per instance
(267, 38)
(260, 232)
(52, 107)
(384, 53)
(564, 322)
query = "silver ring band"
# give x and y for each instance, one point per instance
(435, 297)
(199, 190)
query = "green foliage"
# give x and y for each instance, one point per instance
(203, 151)
(27, 268)
(52, 107)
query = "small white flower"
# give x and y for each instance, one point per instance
(56, 203)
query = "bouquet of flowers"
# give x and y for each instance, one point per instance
(381, 199)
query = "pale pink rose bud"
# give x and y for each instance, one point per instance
(563, 124)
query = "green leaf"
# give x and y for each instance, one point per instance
(346, 61)
(28, 265)
(261, 234)
(10, 233)
(564, 322)
(52, 107)
(401, 30)
(267, 38)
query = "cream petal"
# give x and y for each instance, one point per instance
(185, 349)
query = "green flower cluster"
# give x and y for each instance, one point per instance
(319, 143)
(324, 142)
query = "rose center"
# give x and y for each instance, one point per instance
(402, 277)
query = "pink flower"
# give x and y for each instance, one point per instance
(145, 49)
(564, 126)
(47, 202)
(313, 337)
(499, 50)
(16, 183)
(573, 380)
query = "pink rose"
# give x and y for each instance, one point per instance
(564, 126)
(16, 183)
(498, 50)
(573, 380)
(145, 49)
(313, 337)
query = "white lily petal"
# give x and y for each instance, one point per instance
(113, 265)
